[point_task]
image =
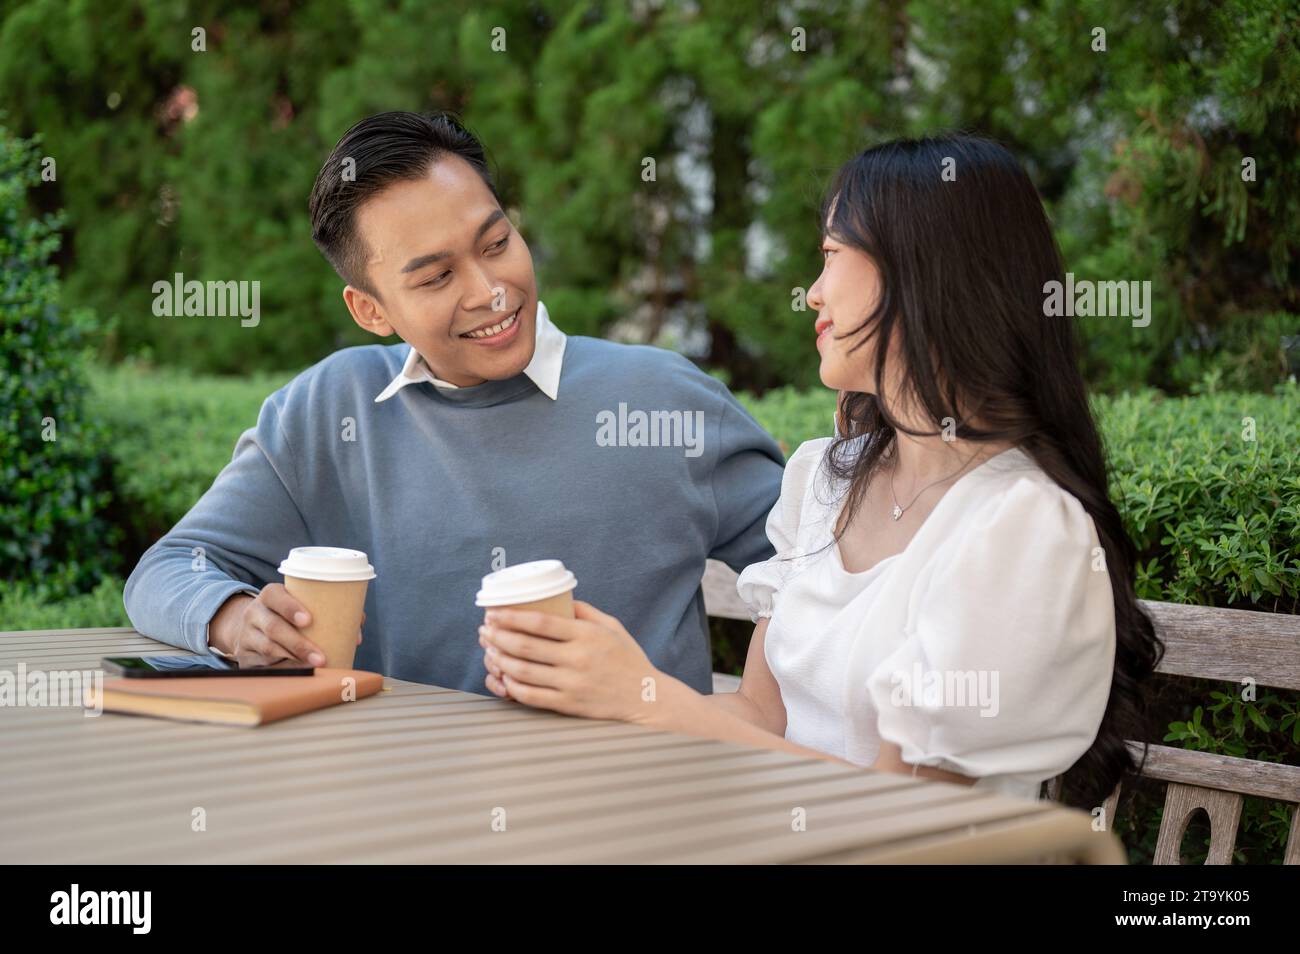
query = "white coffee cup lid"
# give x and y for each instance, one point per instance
(335, 564)
(524, 583)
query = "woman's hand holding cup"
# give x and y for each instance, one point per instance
(588, 666)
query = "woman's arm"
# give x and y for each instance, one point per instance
(681, 709)
(752, 715)
(755, 715)
(758, 700)
(890, 759)
(686, 711)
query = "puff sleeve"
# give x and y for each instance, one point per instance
(759, 583)
(1007, 658)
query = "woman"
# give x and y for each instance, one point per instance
(952, 592)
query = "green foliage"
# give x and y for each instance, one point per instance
(172, 434)
(25, 607)
(52, 461)
(90, 77)
(792, 415)
(1137, 150)
(1233, 724)
(1209, 487)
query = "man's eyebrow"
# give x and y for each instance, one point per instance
(421, 261)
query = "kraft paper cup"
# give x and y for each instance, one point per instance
(542, 585)
(331, 583)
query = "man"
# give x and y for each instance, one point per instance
(489, 438)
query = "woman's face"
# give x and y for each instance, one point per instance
(844, 294)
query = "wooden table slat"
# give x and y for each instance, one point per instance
(410, 721)
(220, 779)
(857, 821)
(99, 632)
(389, 736)
(1011, 841)
(15, 644)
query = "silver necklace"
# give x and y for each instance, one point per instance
(898, 511)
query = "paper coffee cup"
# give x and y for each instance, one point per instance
(331, 583)
(542, 585)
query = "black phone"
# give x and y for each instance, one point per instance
(207, 664)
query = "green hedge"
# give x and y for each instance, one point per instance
(172, 433)
(23, 606)
(53, 462)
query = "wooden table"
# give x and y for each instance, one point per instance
(424, 774)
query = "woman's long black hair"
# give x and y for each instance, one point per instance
(963, 260)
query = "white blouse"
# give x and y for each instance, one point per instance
(986, 647)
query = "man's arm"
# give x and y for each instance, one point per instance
(231, 541)
(227, 622)
(746, 486)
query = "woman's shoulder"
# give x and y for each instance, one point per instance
(1012, 493)
(1022, 549)
(800, 468)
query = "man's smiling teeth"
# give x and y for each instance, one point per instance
(494, 330)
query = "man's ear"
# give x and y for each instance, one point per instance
(367, 312)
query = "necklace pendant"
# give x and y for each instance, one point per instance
(896, 512)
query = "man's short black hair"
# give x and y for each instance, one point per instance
(374, 153)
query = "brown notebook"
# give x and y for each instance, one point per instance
(235, 700)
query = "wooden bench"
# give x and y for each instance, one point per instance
(1200, 642)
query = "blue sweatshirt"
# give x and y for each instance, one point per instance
(442, 486)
